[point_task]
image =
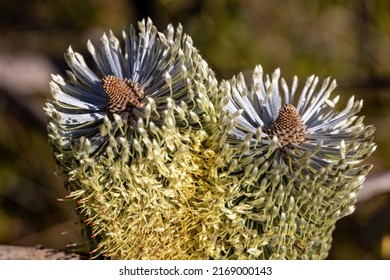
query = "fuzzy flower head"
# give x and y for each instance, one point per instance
(294, 123)
(297, 159)
(149, 81)
(128, 135)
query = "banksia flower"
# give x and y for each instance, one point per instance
(150, 80)
(128, 135)
(297, 164)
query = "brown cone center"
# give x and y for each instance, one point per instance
(122, 94)
(288, 126)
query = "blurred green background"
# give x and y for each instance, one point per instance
(348, 40)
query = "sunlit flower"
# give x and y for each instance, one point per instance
(297, 122)
(297, 162)
(128, 137)
(150, 80)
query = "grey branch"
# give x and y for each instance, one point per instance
(34, 253)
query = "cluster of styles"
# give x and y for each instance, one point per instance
(166, 162)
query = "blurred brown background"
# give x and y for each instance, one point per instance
(348, 40)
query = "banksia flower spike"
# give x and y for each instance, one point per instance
(297, 162)
(128, 135)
